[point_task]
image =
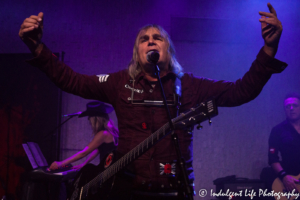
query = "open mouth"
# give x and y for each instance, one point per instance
(151, 50)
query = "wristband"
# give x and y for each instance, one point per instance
(281, 174)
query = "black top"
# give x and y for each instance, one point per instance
(106, 148)
(285, 139)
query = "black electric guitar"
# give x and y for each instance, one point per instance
(94, 183)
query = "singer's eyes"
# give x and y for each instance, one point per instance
(157, 37)
(146, 38)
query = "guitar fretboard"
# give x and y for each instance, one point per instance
(190, 118)
(129, 157)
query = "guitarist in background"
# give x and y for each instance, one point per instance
(136, 97)
(285, 138)
(105, 135)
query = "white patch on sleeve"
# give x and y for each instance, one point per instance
(103, 78)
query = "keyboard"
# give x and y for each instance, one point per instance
(60, 169)
(62, 174)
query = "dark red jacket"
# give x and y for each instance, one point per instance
(137, 122)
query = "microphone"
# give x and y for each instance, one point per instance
(153, 56)
(73, 114)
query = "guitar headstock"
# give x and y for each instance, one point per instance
(203, 111)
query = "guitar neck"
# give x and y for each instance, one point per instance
(130, 156)
(191, 117)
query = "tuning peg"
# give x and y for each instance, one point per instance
(192, 118)
(209, 120)
(199, 127)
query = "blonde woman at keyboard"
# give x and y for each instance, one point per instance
(105, 135)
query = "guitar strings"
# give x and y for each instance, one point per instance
(121, 163)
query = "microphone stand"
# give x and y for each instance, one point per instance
(181, 160)
(57, 127)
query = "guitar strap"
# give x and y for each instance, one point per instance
(177, 91)
(175, 104)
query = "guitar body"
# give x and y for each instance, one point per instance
(278, 186)
(85, 187)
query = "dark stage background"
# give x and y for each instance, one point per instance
(29, 111)
(216, 39)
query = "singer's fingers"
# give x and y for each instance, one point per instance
(271, 21)
(271, 9)
(272, 12)
(263, 23)
(41, 18)
(267, 14)
(32, 20)
(29, 22)
(28, 25)
(41, 15)
(38, 18)
(26, 30)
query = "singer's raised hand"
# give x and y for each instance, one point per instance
(31, 32)
(271, 30)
